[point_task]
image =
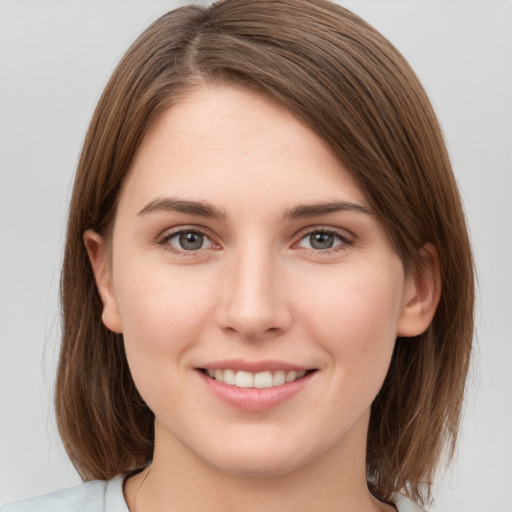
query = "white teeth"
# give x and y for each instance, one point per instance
(263, 380)
(291, 376)
(266, 379)
(229, 377)
(279, 378)
(243, 379)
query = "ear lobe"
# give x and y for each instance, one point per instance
(99, 258)
(421, 295)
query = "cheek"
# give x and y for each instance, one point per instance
(162, 309)
(356, 318)
(357, 299)
(164, 313)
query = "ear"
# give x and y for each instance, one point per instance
(100, 262)
(422, 294)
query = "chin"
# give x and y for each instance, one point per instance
(252, 460)
(269, 467)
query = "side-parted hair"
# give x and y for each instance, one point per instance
(355, 90)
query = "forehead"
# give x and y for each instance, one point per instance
(222, 143)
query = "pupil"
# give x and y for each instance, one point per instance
(321, 240)
(191, 241)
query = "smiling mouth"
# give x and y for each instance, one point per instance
(266, 379)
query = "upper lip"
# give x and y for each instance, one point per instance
(253, 366)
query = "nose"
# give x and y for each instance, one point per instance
(253, 298)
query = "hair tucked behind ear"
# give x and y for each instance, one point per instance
(355, 90)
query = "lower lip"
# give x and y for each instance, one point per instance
(256, 399)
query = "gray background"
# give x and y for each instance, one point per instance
(55, 57)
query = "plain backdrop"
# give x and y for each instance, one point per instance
(55, 58)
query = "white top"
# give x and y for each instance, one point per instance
(107, 496)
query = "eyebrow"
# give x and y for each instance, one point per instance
(315, 209)
(170, 204)
(206, 209)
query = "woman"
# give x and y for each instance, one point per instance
(267, 288)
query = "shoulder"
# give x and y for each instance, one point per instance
(93, 496)
(405, 504)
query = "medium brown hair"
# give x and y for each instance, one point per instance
(354, 89)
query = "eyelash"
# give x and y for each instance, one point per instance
(346, 241)
(164, 242)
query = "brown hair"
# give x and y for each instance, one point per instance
(355, 90)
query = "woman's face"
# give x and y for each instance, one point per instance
(258, 294)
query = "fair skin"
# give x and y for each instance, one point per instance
(242, 245)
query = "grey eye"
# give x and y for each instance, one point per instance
(191, 241)
(188, 241)
(321, 240)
